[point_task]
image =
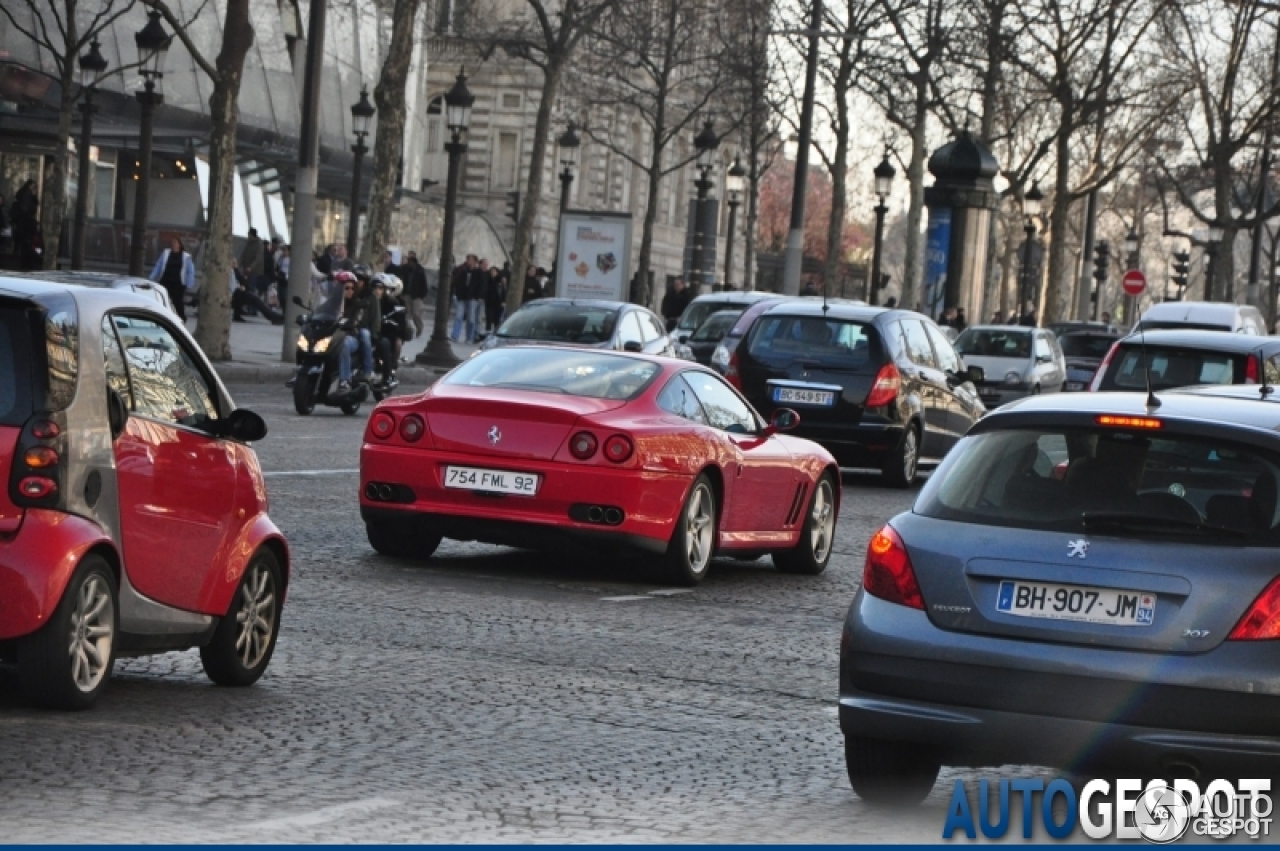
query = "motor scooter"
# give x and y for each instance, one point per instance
(315, 381)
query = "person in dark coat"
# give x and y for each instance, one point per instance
(532, 286)
(674, 302)
(176, 272)
(26, 225)
(495, 298)
(416, 290)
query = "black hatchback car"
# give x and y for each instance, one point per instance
(875, 386)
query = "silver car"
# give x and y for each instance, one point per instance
(1018, 361)
(106, 280)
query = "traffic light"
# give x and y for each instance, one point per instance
(1101, 260)
(1181, 270)
(513, 205)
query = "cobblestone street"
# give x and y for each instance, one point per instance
(494, 695)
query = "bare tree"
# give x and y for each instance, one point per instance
(61, 31)
(213, 326)
(388, 147)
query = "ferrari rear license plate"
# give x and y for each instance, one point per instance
(798, 395)
(1076, 603)
(491, 481)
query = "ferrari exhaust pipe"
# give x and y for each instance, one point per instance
(386, 493)
(613, 516)
(595, 514)
(371, 491)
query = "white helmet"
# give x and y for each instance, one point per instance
(393, 285)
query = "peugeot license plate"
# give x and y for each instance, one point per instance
(1076, 603)
(800, 396)
(491, 481)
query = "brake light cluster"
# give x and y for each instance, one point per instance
(888, 573)
(1262, 621)
(886, 387)
(37, 471)
(383, 425)
(1115, 421)
(617, 447)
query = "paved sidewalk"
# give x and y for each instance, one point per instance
(255, 354)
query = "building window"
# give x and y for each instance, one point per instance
(510, 100)
(506, 164)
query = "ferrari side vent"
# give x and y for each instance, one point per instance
(797, 504)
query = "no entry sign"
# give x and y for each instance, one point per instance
(1134, 282)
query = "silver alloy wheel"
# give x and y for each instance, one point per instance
(93, 626)
(910, 451)
(256, 617)
(700, 525)
(823, 517)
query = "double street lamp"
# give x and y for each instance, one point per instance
(362, 113)
(457, 109)
(735, 182)
(884, 174)
(152, 42)
(92, 66)
(570, 147)
(705, 143)
(1031, 203)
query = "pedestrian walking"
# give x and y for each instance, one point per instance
(462, 294)
(415, 292)
(495, 298)
(674, 302)
(251, 262)
(176, 272)
(26, 226)
(532, 286)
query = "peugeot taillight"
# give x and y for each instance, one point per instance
(886, 386)
(1096, 383)
(888, 573)
(1262, 620)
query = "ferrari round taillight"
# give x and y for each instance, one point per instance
(412, 428)
(37, 487)
(45, 430)
(40, 457)
(583, 445)
(383, 425)
(618, 448)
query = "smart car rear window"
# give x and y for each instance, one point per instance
(15, 367)
(779, 341)
(573, 373)
(1135, 483)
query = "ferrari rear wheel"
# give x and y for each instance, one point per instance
(402, 542)
(694, 540)
(813, 551)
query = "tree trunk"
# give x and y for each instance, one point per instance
(388, 148)
(640, 293)
(533, 188)
(213, 326)
(911, 268)
(753, 221)
(839, 190)
(1051, 309)
(53, 204)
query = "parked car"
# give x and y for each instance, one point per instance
(107, 280)
(876, 386)
(134, 519)
(1018, 361)
(1183, 358)
(729, 344)
(1084, 584)
(555, 447)
(596, 324)
(1204, 316)
(705, 305)
(1073, 326)
(703, 342)
(1085, 349)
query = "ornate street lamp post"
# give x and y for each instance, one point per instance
(457, 102)
(884, 183)
(362, 113)
(705, 143)
(734, 182)
(92, 67)
(152, 42)
(1030, 209)
(570, 149)
(1213, 236)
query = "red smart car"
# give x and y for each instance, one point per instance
(540, 445)
(133, 514)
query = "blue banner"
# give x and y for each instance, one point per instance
(936, 249)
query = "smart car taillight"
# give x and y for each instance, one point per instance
(1096, 384)
(618, 448)
(886, 386)
(40, 457)
(383, 425)
(45, 430)
(888, 573)
(412, 428)
(37, 487)
(583, 445)
(1262, 620)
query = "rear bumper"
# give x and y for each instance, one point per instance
(36, 563)
(981, 700)
(649, 502)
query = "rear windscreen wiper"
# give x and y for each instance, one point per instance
(1131, 520)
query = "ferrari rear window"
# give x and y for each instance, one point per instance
(573, 373)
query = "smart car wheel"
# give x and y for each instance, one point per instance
(810, 555)
(898, 773)
(902, 461)
(694, 540)
(245, 639)
(402, 543)
(67, 663)
(304, 395)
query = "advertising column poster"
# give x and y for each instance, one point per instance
(595, 256)
(937, 248)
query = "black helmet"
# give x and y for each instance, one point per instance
(362, 271)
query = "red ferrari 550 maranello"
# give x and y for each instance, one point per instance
(540, 445)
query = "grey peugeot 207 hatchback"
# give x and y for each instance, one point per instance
(1088, 582)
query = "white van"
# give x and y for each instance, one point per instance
(1204, 315)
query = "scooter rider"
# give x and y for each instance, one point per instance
(395, 326)
(366, 320)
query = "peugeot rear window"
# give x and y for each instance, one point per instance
(1171, 367)
(779, 341)
(561, 323)
(573, 373)
(1143, 483)
(15, 367)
